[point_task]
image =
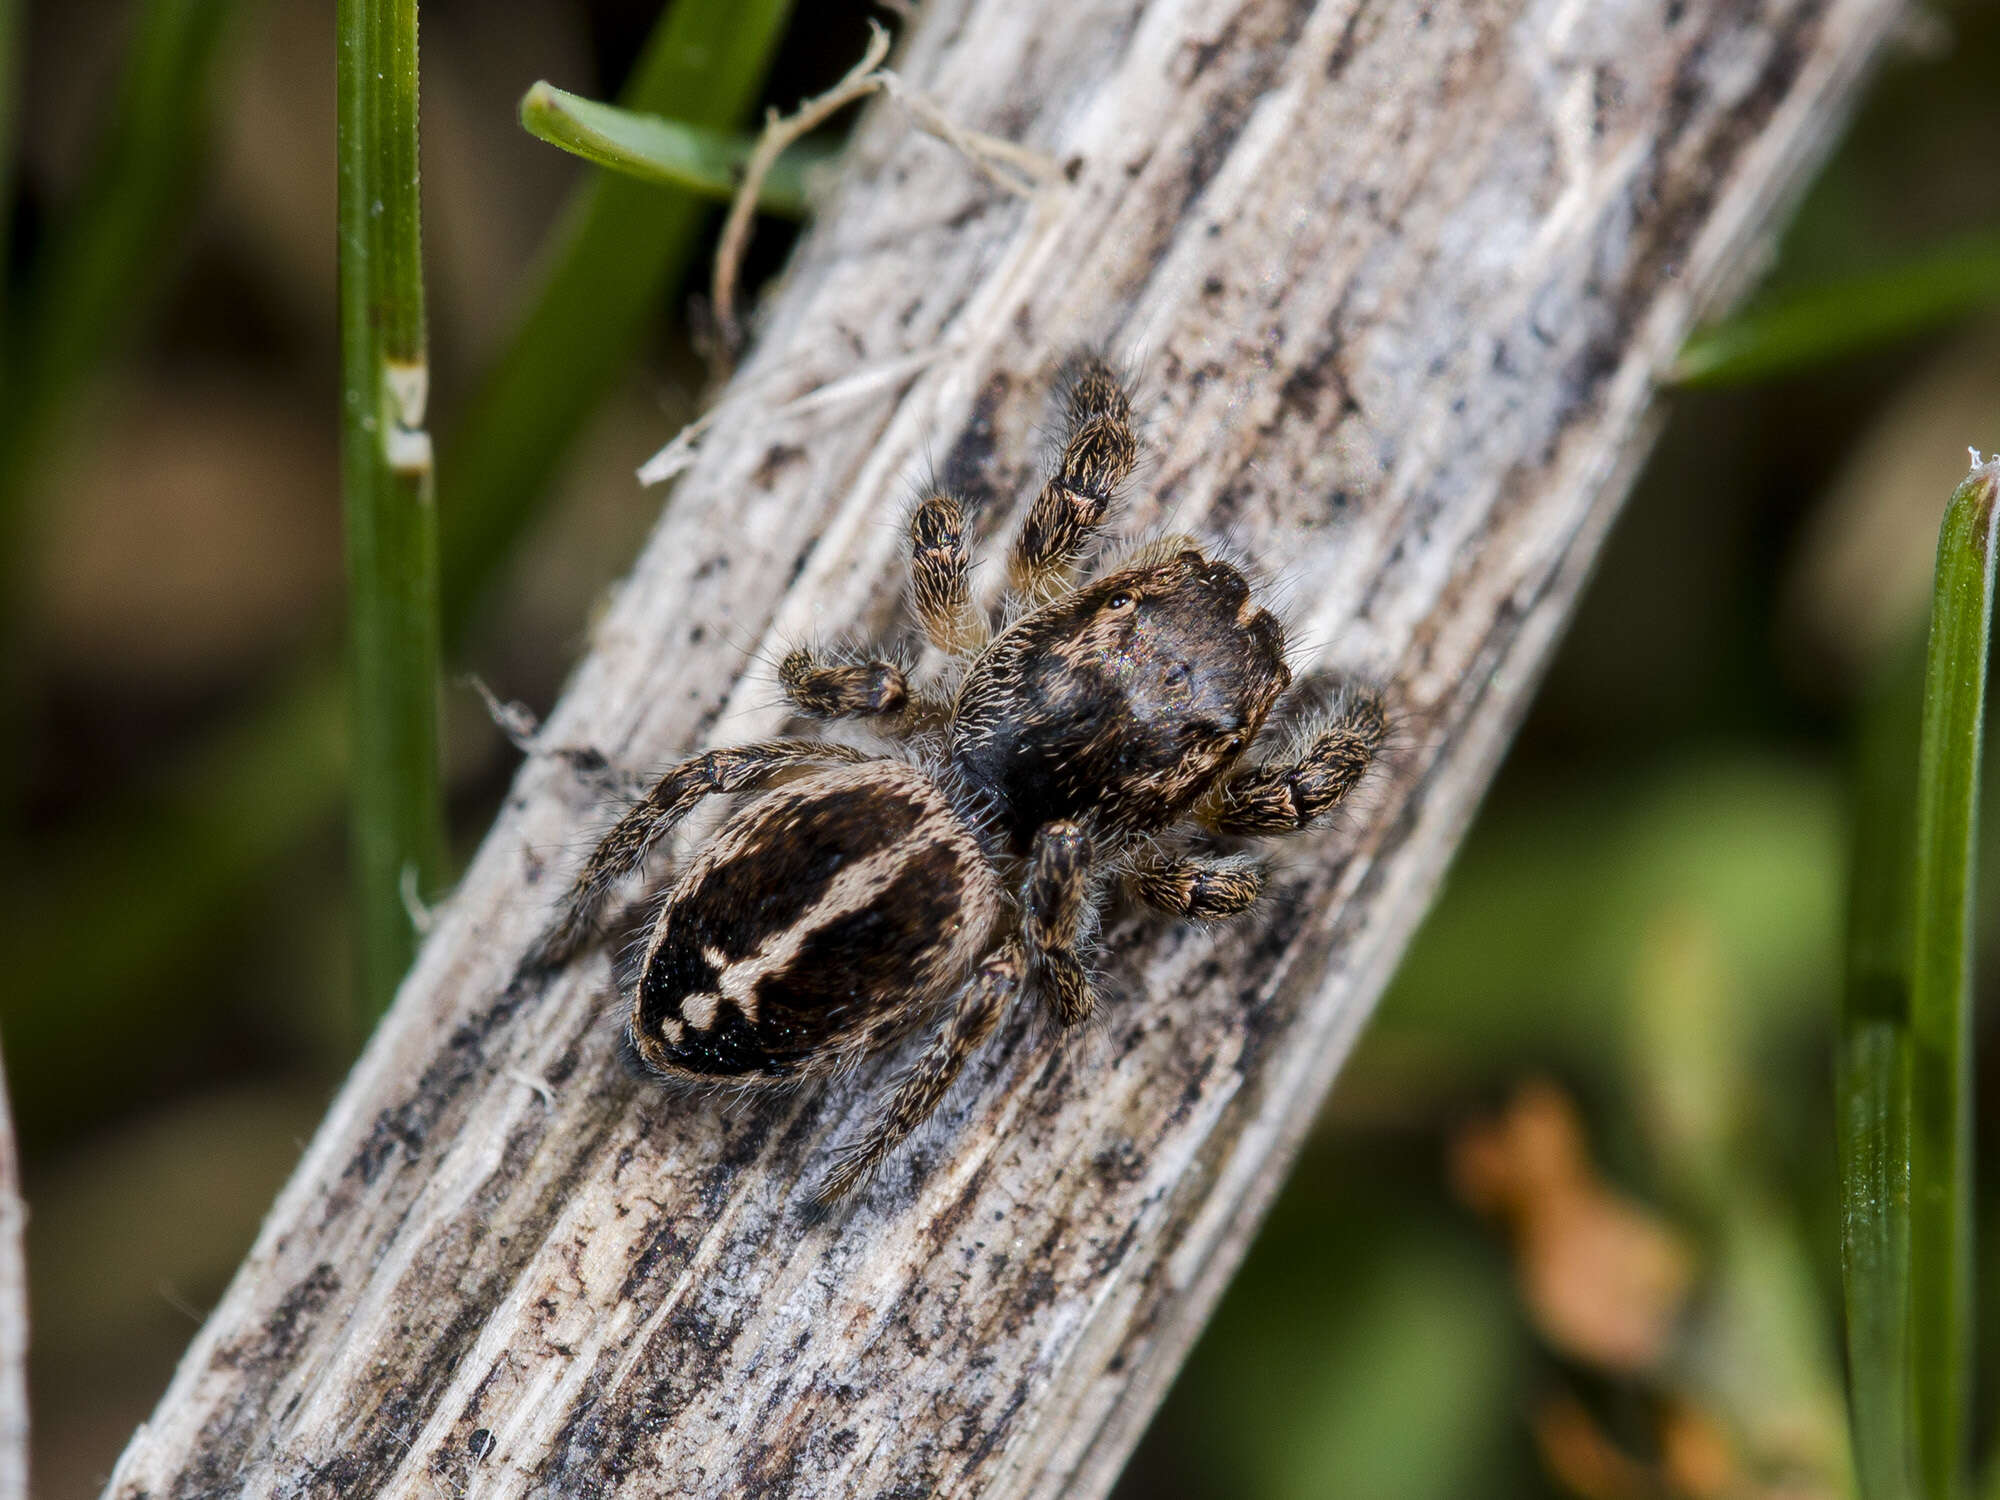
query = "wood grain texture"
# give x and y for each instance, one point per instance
(1399, 275)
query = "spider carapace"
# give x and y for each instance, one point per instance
(1093, 737)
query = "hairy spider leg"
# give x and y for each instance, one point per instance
(1200, 887)
(918, 1092)
(941, 577)
(1055, 901)
(743, 768)
(1098, 453)
(1292, 792)
(826, 685)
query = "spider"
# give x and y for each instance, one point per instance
(1073, 745)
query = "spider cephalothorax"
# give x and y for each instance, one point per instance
(1119, 702)
(862, 895)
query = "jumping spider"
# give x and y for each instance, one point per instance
(863, 894)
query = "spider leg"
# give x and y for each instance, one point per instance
(941, 577)
(829, 687)
(1097, 456)
(1055, 903)
(918, 1092)
(1204, 887)
(712, 773)
(1294, 791)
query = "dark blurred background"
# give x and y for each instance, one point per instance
(1568, 1226)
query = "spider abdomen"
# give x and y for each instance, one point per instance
(824, 918)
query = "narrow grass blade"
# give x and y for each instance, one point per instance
(1824, 322)
(623, 244)
(391, 514)
(1871, 1085)
(671, 153)
(1941, 974)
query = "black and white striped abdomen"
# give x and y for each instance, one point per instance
(824, 916)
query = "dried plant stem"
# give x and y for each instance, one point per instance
(680, 451)
(505, 1268)
(780, 132)
(988, 153)
(992, 156)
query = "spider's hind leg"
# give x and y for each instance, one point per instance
(745, 768)
(918, 1092)
(1098, 453)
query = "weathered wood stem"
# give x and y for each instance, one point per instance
(1399, 275)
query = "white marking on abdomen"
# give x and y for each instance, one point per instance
(851, 890)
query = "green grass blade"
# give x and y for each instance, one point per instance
(1871, 1085)
(391, 513)
(1941, 974)
(670, 153)
(1824, 322)
(623, 244)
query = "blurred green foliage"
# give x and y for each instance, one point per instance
(618, 246)
(1828, 321)
(99, 268)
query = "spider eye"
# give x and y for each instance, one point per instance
(1123, 599)
(1233, 744)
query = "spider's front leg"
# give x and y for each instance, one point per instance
(622, 850)
(1200, 887)
(918, 1092)
(1097, 457)
(829, 687)
(941, 577)
(1055, 904)
(1291, 793)
(824, 686)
